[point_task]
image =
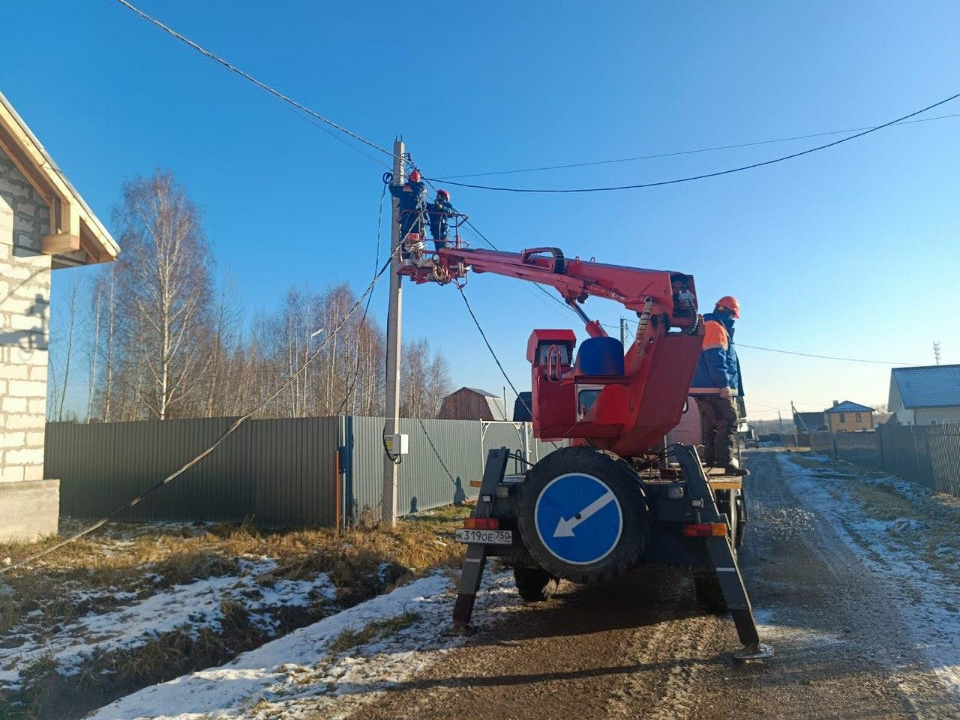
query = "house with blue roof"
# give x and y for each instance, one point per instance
(848, 416)
(927, 395)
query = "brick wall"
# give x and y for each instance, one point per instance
(24, 314)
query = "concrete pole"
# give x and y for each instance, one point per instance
(623, 333)
(394, 322)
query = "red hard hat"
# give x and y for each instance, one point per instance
(443, 194)
(729, 302)
(415, 176)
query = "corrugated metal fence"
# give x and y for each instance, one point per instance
(308, 471)
(927, 454)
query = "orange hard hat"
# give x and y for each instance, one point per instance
(415, 176)
(441, 193)
(729, 302)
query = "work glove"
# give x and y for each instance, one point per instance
(726, 392)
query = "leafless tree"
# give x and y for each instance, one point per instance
(164, 293)
(438, 384)
(222, 342)
(72, 320)
(94, 346)
(163, 347)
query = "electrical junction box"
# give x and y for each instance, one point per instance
(398, 444)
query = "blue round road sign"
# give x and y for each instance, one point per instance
(578, 519)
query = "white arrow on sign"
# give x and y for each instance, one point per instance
(565, 528)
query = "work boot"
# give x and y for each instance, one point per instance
(732, 467)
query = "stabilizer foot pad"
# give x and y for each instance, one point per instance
(458, 630)
(756, 652)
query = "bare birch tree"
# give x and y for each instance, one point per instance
(164, 292)
(94, 346)
(72, 312)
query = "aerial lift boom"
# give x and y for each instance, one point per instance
(622, 402)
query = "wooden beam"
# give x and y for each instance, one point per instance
(59, 243)
(29, 157)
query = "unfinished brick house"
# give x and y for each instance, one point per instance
(44, 225)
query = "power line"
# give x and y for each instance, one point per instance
(703, 176)
(229, 431)
(823, 357)
(250, 78)
(436, 452)
(494, 355)
(483, 238)
(676, 153)
(366, 309)
(538, 286)
(487, 342)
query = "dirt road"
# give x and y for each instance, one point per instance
(641, 648)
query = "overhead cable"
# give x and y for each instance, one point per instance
(823, 357)
(229, 431)
(366, 308)
(703, 176)
(676, 153)
(494, 355)
(250, 78)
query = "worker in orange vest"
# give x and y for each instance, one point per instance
(717, 385)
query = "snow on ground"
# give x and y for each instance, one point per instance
(300, 673)
(930, 598)
(189, 607)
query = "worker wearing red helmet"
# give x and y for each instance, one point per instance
(439, 211)
(717, 384)
(412, 197)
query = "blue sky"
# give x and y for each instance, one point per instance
(853, 251)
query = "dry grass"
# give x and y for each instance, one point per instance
(122, 556)
(937, 540)
(940, 515)
(144, 558)
(372, 632)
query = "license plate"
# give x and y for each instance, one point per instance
(485, 537)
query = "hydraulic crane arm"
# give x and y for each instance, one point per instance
(606, 396)
(654, 292)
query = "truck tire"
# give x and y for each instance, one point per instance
(740, 502)
(614, 530)
(709, 596)
(732, 504)
(535, 584)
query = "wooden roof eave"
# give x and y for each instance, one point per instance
(77, 236)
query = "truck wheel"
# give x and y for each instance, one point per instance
(740, 502)
(535, 584)
(708, 593)
(582, 515)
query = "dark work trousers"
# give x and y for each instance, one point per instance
(718, 422)
(439, 230)
(411, 221)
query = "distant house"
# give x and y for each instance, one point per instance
(472, 404)
(848, 416)
(925, 395)
(808, 422)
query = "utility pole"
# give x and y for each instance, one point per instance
(936, 352)
(623, 332)
(394, 318)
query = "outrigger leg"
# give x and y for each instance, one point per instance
(723, 559)
(476, 557)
